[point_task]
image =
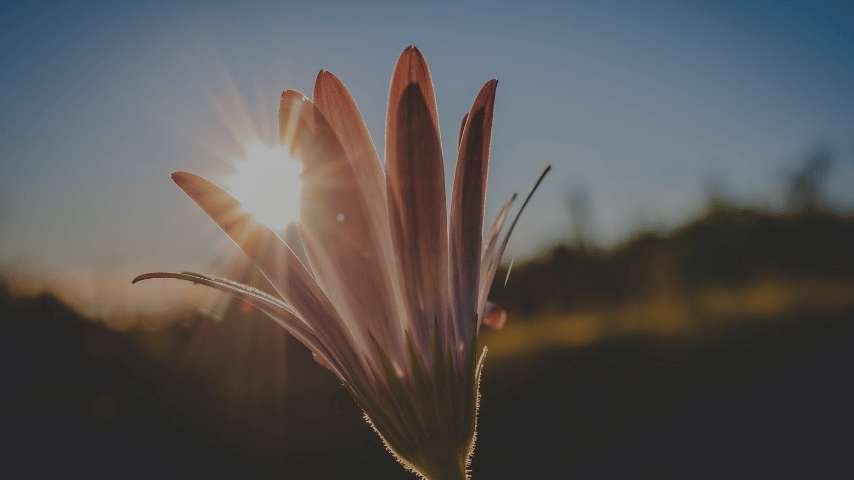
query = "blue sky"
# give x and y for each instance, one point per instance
(641, 105)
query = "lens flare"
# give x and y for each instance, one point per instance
(267, 180)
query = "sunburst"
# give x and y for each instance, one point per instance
(267, 180)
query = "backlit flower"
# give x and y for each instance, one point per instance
(394, 290)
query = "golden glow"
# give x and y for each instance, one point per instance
(267, 183)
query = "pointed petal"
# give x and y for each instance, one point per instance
(528, 198)
(495, 258)
(277, 310)
(339, 235)
(340, 110)
(416, 192)
(489, 258)
(273, 258)
(494, 316)
(467, 210)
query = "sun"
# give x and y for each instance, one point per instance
(267, 182)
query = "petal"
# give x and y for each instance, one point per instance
(334, 101)
(528, 198)
(340, 110)
(494, 316)
(416, 193)
(499, 253)
(462, 127)
(294, 241)
(467, 210)
(489, 258)
(340, 239)
(273, 258)
(279, 311)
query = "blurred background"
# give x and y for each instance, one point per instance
(681, 297)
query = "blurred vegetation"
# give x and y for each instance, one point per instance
(726, 246)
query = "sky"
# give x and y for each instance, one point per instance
(640, 104)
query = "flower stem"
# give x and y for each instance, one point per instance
(448, 472)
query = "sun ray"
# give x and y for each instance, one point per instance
(267, 182)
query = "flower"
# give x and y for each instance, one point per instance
(392, 296)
